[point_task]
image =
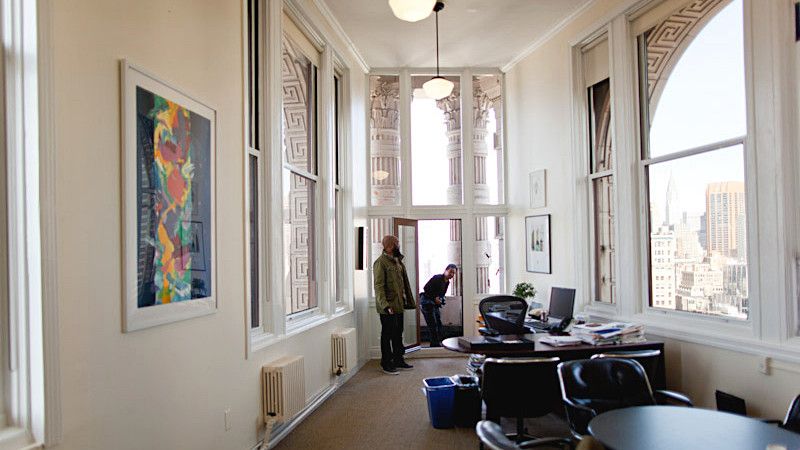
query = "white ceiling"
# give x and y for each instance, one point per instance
(472, 33)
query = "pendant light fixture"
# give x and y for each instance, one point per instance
(411, 10)
(438, 87)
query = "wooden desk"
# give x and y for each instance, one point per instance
(567, 353)
(672, 427)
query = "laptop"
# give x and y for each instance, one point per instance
(562, 302)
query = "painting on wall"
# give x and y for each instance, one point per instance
(538, 189)
(537, 249)
(169, 148)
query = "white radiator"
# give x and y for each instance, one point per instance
(343, 350)
(284, 388)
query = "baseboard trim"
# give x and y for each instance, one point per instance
(282, 430)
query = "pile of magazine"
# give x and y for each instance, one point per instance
(609, 333)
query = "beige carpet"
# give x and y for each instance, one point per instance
(378, 411)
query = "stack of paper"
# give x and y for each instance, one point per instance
(609, 333)
(560, 341)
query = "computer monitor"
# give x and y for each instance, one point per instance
(562, 301)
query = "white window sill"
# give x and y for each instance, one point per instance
(16, 439)
(718, 332)
(260, 341)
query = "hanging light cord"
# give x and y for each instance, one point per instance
(437, 43)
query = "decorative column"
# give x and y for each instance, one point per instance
(483, 253)
(385, 140)
(451, 106)
(379, 227)
(481, 105)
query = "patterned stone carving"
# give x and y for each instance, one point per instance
(385, 140)
(451, 106)
(667, 41)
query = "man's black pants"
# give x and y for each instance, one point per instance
(391, 339)
(433, 319)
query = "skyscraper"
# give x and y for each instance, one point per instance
(672, 215)
(724, 209)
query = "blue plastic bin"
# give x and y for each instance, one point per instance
(441, 392)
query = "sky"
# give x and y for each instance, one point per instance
(703, 102)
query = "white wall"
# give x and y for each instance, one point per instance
(538, 134)
(163, 387)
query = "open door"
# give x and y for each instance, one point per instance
(406, 232)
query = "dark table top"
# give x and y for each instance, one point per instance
(673, 427)
(541, 349)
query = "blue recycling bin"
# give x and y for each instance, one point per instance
(440, 392)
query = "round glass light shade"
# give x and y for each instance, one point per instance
(438, 88)
(412, 10)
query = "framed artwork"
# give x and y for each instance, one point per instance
(537, 240)
(168, 157)
(538, 189)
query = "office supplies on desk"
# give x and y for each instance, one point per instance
(561, 341)
(609, 333)
(559, 313)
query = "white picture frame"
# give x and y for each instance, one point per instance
(538, 186)
(169, 147)
(537, 244)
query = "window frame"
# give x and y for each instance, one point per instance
(274, 324)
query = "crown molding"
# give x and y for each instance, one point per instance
(557, 28)
(337, 28)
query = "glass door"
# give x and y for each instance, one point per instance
(406, 232)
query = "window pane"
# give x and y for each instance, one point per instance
(698, 234)
(337, 289)
(255, 319)
(298, 243)
(384, 141)
(337, 138)
(299, 108)
(600, 126)
(488, 139)
(490, 254)
(604, 251)
(695, 96)
(435, 146)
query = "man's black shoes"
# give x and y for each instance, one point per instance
(403, 365)
(389, 370)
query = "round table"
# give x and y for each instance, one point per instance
(673, 427)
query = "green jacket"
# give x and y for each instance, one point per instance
(391, 280)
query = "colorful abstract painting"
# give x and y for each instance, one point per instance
(173, 153)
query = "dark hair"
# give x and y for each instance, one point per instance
(451, 266)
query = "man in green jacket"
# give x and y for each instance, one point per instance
(392, 294)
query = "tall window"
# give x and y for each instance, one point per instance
(384, 140)
(490, 257)
(436, 150)
(601, 170)
(300, 175)
(254, 158)
(694, 126)
(337, 186)
(487, 144)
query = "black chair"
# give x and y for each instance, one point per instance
(792, 420)
(504, 314)
(649, 359)
(491, 436)
(593, 386)
(519, 388)
(730, 403)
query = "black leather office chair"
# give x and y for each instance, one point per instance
(593, 386)
(730, 403)
(649, 359)
(519, 388)
(491, 436)
(792, 420)
(504, 314)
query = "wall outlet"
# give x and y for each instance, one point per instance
(227, 419)
(763, 364)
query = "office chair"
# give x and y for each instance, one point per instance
(519, 388)
(491, 436)
(649, 359)
(593, 386)
(792, 420)
(504, 314)
(730, 403)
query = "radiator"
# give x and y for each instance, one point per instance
(284, 388)
(343, 350)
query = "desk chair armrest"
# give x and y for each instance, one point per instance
(564, 443)
(583, 409)
(667, 397)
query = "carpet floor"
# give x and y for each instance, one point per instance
(374, 410)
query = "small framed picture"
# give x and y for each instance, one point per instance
(538, 187)
(537, 240)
